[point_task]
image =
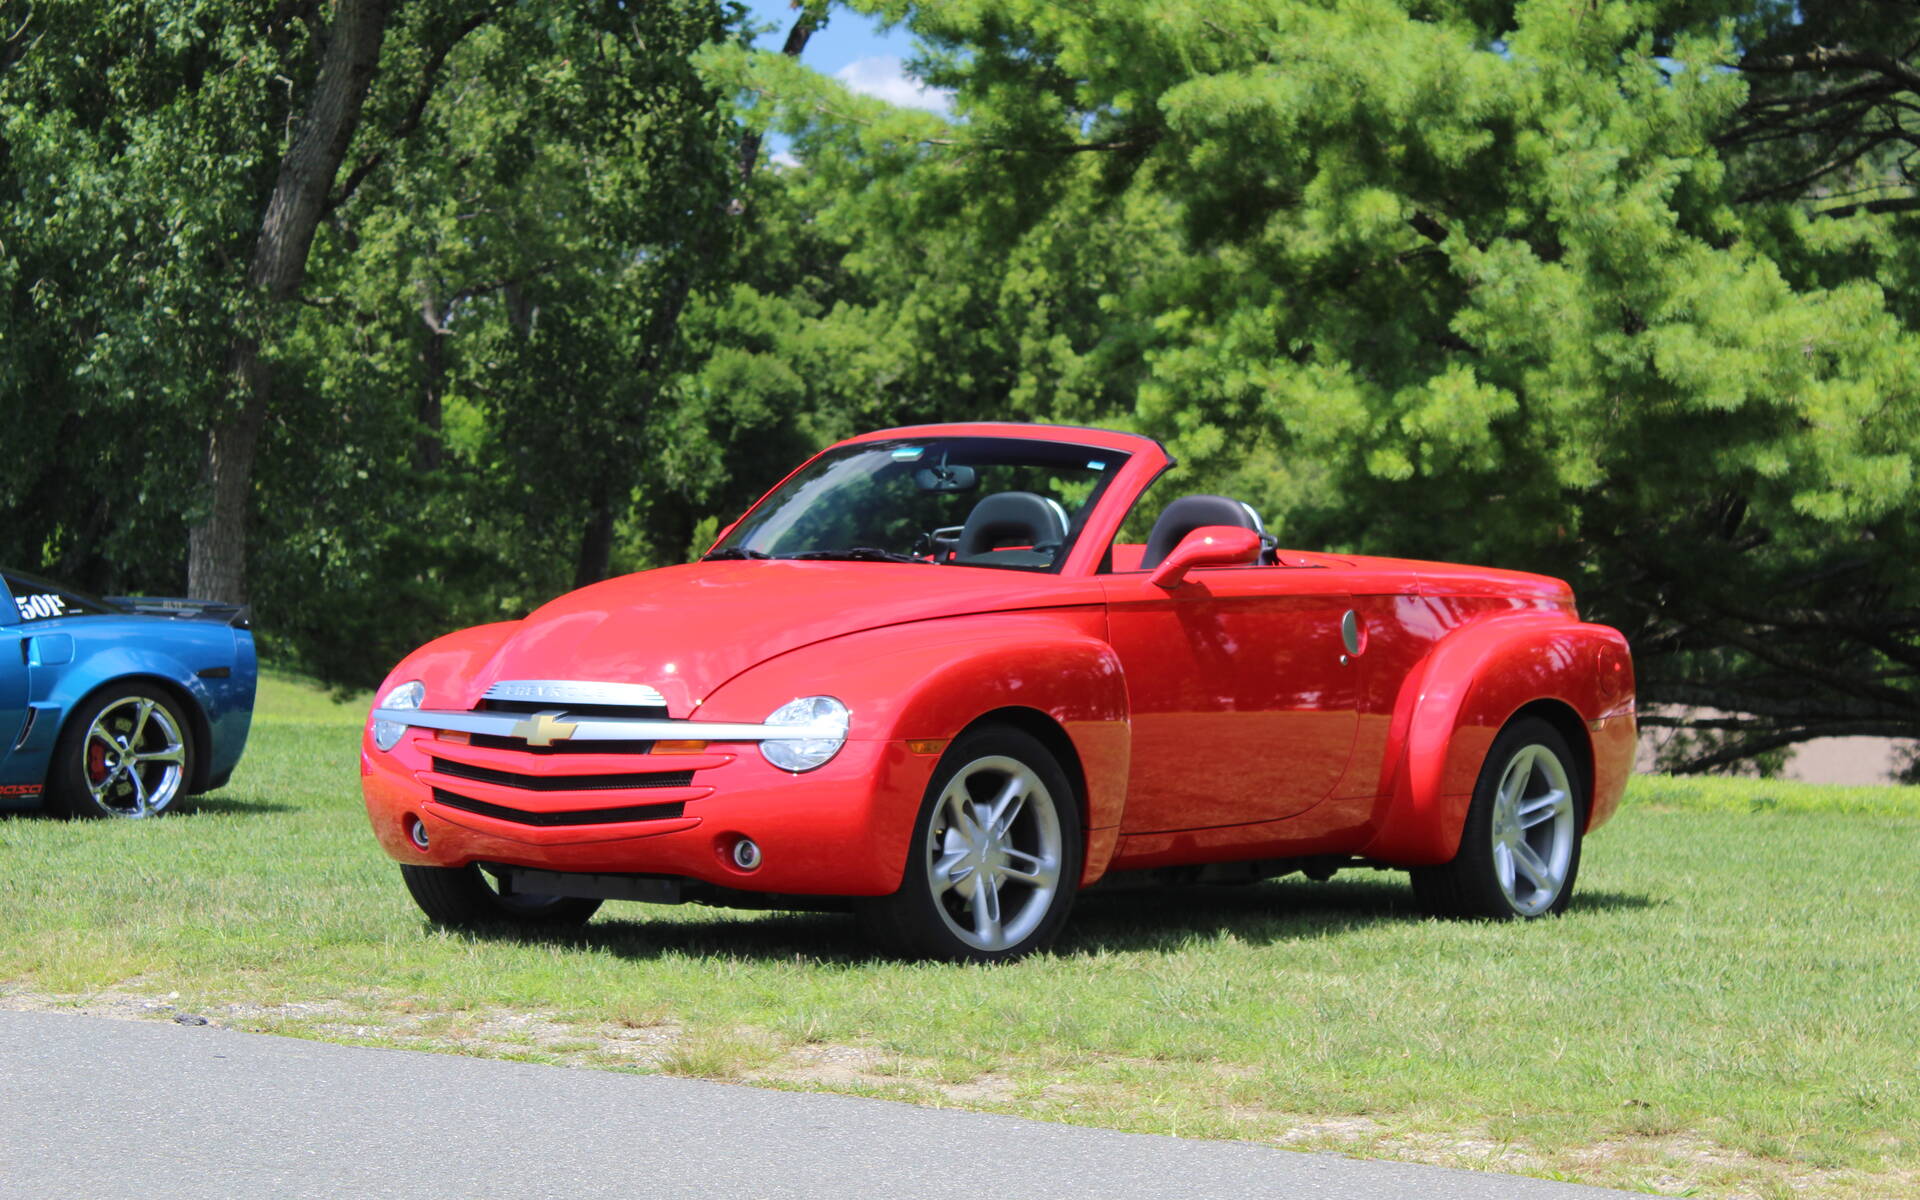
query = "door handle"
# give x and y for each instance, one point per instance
(1353, 635)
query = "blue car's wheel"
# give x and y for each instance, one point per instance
(125, 752)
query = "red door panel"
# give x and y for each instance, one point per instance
(1243, 707)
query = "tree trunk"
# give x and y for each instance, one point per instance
(596, 544)
(796, 43)
(217, 546)
(596, 541)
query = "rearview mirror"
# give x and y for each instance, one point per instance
(946, 479)
(1207, 546)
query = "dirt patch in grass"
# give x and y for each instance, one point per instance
(1688, 1163)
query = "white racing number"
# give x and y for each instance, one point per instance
(41, 607)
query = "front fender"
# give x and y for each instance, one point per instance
(926, 681)
(448, 664)
(1469, 686)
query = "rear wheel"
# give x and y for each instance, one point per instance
(995, 857)
(1520, 849)
(126, 752)
(468, 896)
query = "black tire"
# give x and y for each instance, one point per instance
(125, 751)
(1493, 875)
(467, 896)
(1031, 863)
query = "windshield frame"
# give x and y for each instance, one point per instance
(1114, 461)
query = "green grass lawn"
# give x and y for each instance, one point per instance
(1730, 1008)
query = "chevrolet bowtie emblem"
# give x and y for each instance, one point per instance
(544, 729)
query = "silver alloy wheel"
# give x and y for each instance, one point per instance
(1532, 829)
(993, 853)
(135, 758)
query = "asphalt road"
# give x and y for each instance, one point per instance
(97, 1108)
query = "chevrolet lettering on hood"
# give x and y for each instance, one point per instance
(928, 680)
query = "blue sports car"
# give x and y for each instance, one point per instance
(119, 707)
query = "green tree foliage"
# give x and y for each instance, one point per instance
(1620, 292)
(476, 373)
(1518, 284)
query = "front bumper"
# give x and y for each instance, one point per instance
(839, 830)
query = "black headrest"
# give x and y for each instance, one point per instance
(1189, 513)
(1011, 519)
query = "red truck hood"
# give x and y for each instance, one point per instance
(686, 630)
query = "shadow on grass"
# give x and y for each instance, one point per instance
(719, 933)
(1152, 919)
(193, 806)
(234, 804)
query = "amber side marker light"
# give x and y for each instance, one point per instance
(679, 747)
(456, 737)
(926, 745)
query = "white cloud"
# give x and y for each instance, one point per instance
(783, 160)
(886, 78)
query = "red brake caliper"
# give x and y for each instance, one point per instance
(96, 762)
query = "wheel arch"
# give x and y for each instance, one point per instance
(1049, 733)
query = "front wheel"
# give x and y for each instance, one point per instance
(1520, 849)
(995, 857)
(467, 896)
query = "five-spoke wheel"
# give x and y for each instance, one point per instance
(126, 752)
(995, 858)
(1520, 849)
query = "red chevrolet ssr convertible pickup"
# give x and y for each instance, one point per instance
(924, 679)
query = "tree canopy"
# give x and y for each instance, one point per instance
(1619, 292)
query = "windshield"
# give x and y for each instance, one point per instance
(975, 502)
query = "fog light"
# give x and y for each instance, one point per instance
(416, 832)
(746, 855)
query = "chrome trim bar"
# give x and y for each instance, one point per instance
(576, 691)
(602, 729)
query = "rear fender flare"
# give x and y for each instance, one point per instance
(1457, 700)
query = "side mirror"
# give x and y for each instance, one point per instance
(1207, 546)
(720, 537)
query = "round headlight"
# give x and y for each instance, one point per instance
(412, 694)
(826, 722)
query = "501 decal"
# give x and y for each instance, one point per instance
(40, 607)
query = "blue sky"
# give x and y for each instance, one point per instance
(852, 48)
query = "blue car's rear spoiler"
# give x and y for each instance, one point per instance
(238, 615)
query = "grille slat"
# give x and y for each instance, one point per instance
(590, 816)
(565, 783)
